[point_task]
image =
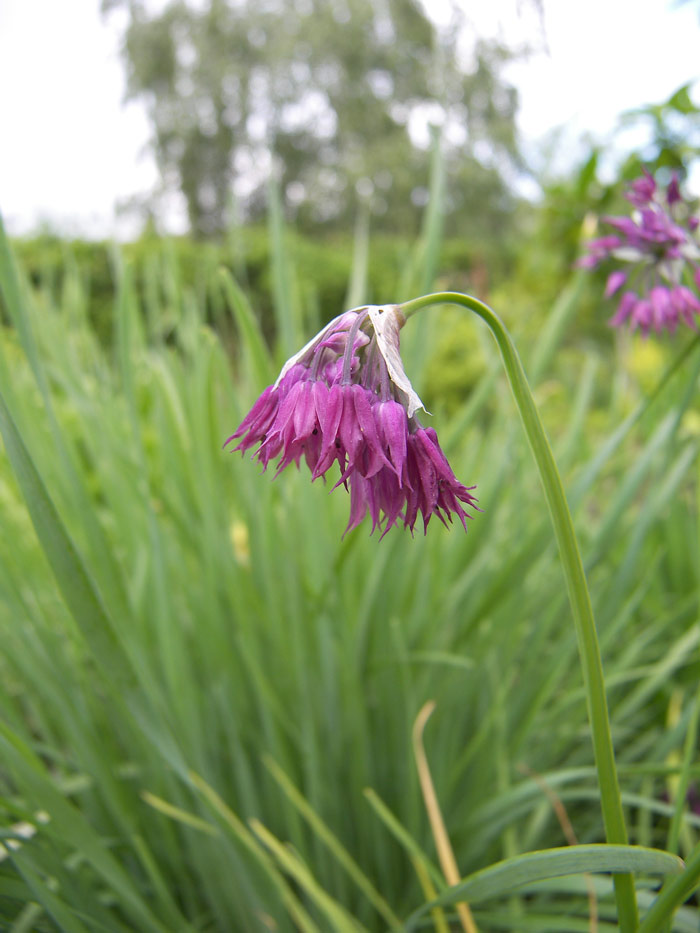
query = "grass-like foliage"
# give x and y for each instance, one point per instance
(207, 694)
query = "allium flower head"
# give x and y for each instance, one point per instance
(344, 398)
(658, 257)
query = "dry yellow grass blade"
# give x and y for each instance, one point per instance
(437, 825)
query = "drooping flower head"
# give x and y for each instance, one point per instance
(657, 259)
(344, 398)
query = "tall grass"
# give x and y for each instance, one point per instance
(207, 693)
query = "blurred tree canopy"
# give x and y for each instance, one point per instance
(328, 94)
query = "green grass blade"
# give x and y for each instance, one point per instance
(177, 813)
(339, 919)
(254, 349)
(335, 847)
(672, 896)
(69, 569)
(68, 826)
(284, 303)
(689, 752)
(358, 285)
(404, 838)
(253, 846)
(522, 870)
(559, 317)
(63, 915)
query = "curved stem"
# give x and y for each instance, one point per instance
(672, 895)
(577, 587)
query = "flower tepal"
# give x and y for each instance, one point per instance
(345, 398)
(656, 256)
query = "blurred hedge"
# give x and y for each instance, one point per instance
(321, 270)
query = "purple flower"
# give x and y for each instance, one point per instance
(345, 398)
(642, 190)
(661, 253)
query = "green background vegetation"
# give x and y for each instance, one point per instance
(207, 691)
(208, 627)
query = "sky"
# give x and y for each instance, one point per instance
(71, 151)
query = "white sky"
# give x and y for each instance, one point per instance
(70, 150)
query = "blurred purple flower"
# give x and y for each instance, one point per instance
(345, 397)
(659, 247)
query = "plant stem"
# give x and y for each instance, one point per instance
(579, 597)
(672, 895)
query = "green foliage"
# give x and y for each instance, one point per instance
(84, 272)
(574, 203)
(198, 668)
(674, 136)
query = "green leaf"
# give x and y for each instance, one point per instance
(254, 345)
(177, 813)
(68, 826)
(64, 915)
(286, 312)
(681, 102)
(505, 876)
(72, 577)
(336, 914)
(672, 895)
(333, 843)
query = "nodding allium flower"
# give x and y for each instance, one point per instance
(659, 254)
(345, 399)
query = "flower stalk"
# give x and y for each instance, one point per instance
(577, 587)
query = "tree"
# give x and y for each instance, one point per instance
(334, 88)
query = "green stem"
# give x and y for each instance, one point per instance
(579, 598)
(672, 895)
